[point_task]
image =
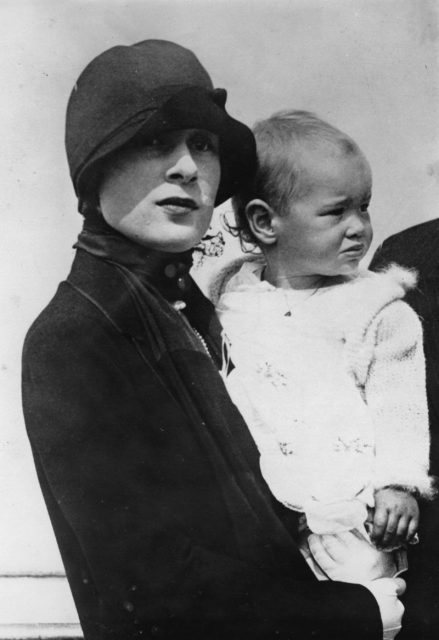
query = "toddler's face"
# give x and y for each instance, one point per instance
(327, 230)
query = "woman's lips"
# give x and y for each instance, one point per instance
(178, 205)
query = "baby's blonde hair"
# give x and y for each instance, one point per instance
(277, 181)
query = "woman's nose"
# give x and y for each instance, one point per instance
(183, 167)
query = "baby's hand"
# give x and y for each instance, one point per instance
(395, 519)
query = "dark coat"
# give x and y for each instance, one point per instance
(154, 543)
(418, 248)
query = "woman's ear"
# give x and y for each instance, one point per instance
(260, 219)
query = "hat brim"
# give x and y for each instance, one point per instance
(187, 108)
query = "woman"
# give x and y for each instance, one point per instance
(151, 478)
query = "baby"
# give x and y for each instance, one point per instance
(324, 359)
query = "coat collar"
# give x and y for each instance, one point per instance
(102, 283)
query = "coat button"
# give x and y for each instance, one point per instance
(156, 631)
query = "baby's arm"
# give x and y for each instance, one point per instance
(395, 518)
(396, 396)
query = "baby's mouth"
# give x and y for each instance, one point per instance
(356, 249)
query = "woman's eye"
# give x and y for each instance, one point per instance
(155, 142)
(203, 143)
(158, 146)
(364, 207)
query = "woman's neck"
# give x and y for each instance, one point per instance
(101, 240)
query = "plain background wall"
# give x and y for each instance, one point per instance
(370, 67)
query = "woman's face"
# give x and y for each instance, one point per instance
(162, 194)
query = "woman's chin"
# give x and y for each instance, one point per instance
(173, 244)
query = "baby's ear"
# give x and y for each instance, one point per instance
(260, 218)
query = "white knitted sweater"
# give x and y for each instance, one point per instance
(332, 386)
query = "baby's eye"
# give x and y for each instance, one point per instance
(364, 207)
(334, 212)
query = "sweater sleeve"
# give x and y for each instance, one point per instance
(396, 395)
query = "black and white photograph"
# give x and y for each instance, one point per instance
(219, 345)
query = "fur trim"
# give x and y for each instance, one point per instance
(372, 292)
(420, 485)
(400, 277)
(406, 278)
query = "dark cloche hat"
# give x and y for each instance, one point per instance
(131, 92)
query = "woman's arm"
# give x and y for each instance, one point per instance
(113, 451)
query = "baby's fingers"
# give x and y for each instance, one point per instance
(402, 531)
(412, 529)
(379, 525)
(390, 538)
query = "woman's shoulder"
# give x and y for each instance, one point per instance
(413, 247)
(77, 315)
(67, 318)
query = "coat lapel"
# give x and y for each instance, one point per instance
(227, 440)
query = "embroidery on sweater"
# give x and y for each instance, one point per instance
(355, 444)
